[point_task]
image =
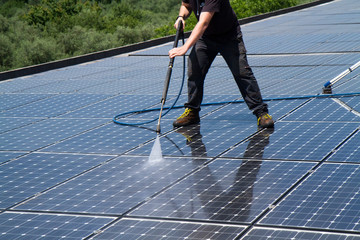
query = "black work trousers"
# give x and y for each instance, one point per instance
(233, 51)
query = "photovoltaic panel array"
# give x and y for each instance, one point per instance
(67, 171)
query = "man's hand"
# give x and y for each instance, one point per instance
(177, 23)
(180, 51)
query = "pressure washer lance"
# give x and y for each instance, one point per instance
(179, 31)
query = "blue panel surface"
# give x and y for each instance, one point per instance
(328, 109)
(348, 85)
(111, 106)
(229, 191)
(19, 84)
(349, 152)
(8, 124)
(105, 140)
(44, 133)
(53, 106)
(66, 86)
(7, 156)
(113, 188)
(9, 101)
(34, 173)
(46, 226)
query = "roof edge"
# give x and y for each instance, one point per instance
(133, 47)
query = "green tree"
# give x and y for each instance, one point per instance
(247, 8)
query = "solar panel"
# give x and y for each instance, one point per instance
(67, 171)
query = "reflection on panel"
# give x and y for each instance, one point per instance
(226, 190)
(146, 229)
(301, 140)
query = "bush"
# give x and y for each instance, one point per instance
(34, 52)
(127, 35)
(4, 24)
(247, 8)
(96, 41)
(71, 41)
(79, 40)
(6, 51)
(9, 8)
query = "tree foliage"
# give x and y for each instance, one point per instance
(38, 31)
(247, 8)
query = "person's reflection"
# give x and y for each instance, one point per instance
(194, 140)
(220, 199)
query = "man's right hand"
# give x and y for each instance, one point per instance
(177, 22)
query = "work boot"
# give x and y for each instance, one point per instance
(265, 121)
(190, 116)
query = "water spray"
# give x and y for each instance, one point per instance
(179, 31)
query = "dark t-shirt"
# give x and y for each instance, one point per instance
(224, 23)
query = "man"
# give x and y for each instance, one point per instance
(217, 31)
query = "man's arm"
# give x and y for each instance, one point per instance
(198, 31)
(184, 13)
